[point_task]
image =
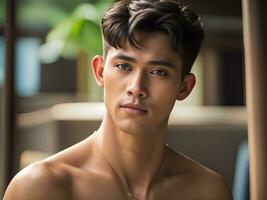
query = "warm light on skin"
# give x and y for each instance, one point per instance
(149, 77)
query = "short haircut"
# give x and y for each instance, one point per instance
(171, 17)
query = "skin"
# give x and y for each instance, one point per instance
(128, 151)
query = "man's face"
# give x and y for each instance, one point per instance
(141, 85)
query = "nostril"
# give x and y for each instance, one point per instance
(139, 94)
(129, 93)
(142, 94)
(136, 91)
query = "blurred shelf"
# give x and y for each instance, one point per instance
(181, 115)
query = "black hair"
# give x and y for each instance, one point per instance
(179, 22)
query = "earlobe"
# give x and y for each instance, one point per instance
(98, 69)
(186, 87)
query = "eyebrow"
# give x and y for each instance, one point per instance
(162, 63)
(124, 57)
(151, 62)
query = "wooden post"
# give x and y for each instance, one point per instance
(255, 40)
(8, 139)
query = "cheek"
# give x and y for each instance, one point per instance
(112, 84)
(165, 95)
(166, 90)
(108, 84)
(168, 101)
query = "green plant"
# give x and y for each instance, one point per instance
(78, 32)
(78, 37)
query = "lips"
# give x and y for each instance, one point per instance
(134, 108)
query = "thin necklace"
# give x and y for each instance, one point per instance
(130, 195)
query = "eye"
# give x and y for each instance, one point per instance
(159, 72)
(124, 67)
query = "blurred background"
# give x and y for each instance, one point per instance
(53, 84)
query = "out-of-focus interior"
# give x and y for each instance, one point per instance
(59, 104)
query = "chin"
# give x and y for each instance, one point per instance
(133, 128)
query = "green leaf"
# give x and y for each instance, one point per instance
(80, 31)
(51, 51)
(76, 29)
(90, 37)
(70, 49)
(61, 31)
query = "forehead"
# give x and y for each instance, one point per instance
(153, 46)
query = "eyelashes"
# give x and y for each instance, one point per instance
(155, 71)
(159, 72)
(124, 67)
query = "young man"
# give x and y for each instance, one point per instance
(149, 48)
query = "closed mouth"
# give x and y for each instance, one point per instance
(134, 108)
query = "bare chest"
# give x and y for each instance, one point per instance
(92, 187)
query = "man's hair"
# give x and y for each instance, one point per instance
(181, 24)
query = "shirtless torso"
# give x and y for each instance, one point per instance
(81, 173)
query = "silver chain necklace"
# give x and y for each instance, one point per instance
(130, 195)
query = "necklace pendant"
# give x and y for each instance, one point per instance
(131, 196)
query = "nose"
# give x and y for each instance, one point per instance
(137, 86)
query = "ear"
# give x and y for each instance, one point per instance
(98, 69)
(186, 87)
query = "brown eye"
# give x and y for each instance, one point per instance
(158, 72)
(124, 67)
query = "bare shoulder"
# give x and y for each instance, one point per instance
(52, 177)
(198, 182)
(211, 185)
(42, 180)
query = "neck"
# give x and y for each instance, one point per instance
(135, 157)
